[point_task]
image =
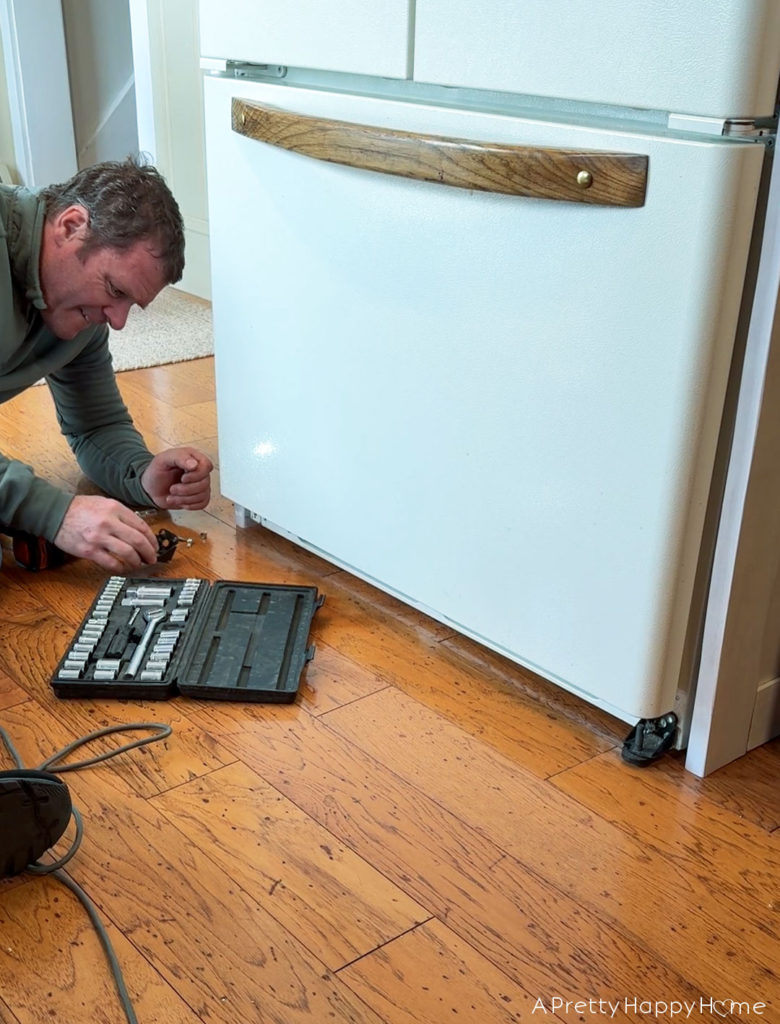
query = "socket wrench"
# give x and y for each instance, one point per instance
(153, 617)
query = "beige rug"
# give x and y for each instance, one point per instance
(175, 327)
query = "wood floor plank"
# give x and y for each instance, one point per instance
(230, 554)
(334, 903)
(67, 592)
(191, 383)
(484, 794)
(223, 954)
(331, 680)
(684, 829)
(495, 709)
(53, 967)
(431, 975)
(562, 843)
(210, 445)
(154, 768)
(363, 610)
(173, 423)
(6, 1017)
(10, 692)
(28, 424)
(188, 754)
(525, 926)
(19, 603)
(747, 787)
(567, 707)
(490, 705)
(216, 946)
(28, 418)
(33, 644)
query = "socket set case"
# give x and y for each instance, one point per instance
(150, 639)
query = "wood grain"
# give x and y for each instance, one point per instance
(10, 692)
(428, 828)
(549, 835)
(684, 828)
(580, 176)
(336, 904)
(212, 942)
(526, 927)
(6, 1017)
(52, 962)
(430, 975)
(747, 787)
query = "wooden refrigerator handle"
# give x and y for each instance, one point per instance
(580, 176)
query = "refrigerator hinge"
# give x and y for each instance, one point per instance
(241, 68)
(749, 129)
(245, 69)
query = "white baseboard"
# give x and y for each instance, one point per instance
(765, 724)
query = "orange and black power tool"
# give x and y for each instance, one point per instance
(35, 553)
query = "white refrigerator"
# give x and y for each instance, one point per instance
(482, 282)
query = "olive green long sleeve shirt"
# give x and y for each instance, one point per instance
(79, 373)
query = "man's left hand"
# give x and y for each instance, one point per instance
(178, 478)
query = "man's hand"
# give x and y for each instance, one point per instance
(108, 533)
(178, 478)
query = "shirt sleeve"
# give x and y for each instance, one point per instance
(97, 425)
(29, 503)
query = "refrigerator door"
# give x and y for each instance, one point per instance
(503, 409)
(710, 57)
(352, 36)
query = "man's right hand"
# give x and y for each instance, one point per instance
(108, 533)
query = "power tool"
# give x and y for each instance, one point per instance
(36, 553)
(33, 552)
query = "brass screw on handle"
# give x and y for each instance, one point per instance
(584, 179)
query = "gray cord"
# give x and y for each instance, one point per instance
(51, 765)
(161, 731)
(113, 963)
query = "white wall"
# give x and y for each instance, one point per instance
(7, 151)
(103, 56)
(175, 86)
(100, 65)
(36, 79)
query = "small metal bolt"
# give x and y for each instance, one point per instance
(584, 179)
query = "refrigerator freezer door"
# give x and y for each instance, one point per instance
(352, 36)
(710, 57)
(503, 409)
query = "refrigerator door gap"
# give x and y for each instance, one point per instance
(445, 96)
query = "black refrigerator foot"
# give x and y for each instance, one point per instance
(649, 739)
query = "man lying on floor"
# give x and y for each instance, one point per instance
(74, 259)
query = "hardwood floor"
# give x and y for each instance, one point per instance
(428, 834)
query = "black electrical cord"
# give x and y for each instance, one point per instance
(51, 764)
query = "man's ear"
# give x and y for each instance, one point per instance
(71, 225)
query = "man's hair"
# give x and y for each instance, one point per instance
(127, 202)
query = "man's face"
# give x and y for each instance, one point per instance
(96, 289)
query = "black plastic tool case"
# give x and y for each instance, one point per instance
(222, 641)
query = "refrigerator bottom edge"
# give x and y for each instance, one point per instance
(245, 517)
